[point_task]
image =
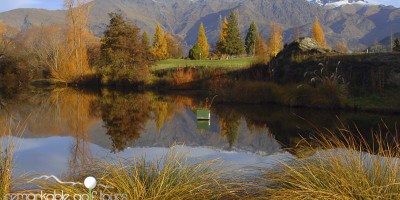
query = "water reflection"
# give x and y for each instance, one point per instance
(113, 121)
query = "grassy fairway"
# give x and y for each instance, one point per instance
(176, 63)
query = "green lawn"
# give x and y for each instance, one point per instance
(176, 63)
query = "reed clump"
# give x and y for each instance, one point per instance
(171, 177)
(343, 165)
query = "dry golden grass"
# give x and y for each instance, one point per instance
(7, 147)
(343, 166)
(169, 178)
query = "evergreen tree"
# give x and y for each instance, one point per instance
(396, 45)
(203, 43)
(160, 46)
(318, 34)
(224, 32)
(233, 40)
(275, 42)
(123, 54)
(251, 39)
(195, 52)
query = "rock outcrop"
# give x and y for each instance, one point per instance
(302, 46)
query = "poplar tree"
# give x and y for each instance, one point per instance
(160, 47)
(224, 32)
(233, 40)
(145, 40)
(251, 39)
(77, 20)
(174, 47)
(203, 43)
(275, 42)
(318, 34)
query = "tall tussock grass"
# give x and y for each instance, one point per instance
(6, 155)
(171, 177)
(7, 148)
(342, 165)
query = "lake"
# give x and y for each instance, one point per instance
(67, 128)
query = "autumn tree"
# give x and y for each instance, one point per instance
(146, 40)
(220, 46)
(275, 42)
(318, 34)
(9, 58)
(202, 44)
(147, 47)
(262, 50)
(47, 50)
(160, 46)
(251, 39)
(77, 20)
(123, 53)
(175, 49)
(233, 40)
(6, 38)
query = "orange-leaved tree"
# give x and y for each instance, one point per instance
(79, 34)
(318, 34)
(160, 46)
(275, 42)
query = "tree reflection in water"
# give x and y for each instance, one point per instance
(125, 116)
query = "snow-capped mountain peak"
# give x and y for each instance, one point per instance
(338, 3)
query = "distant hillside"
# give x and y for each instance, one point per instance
(358, 25)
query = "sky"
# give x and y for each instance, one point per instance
(6, 5)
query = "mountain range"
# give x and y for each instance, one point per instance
(338, 3)
(358, 24)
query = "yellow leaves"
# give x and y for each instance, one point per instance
(160, 46)
(318, 34)
(79, 34)
(224, 29)
(203, 43)
(275, 42)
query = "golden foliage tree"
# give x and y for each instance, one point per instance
(224, 29)
(203, 42)
(175, 49)
(318, 34)
(47, 50)
(223, 34)
(262, 49)
(77, 20)
(160, 46)
(275, 42)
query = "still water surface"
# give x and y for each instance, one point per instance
(66, 128)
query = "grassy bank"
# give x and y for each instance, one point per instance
(303, 95)
(235, 63)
